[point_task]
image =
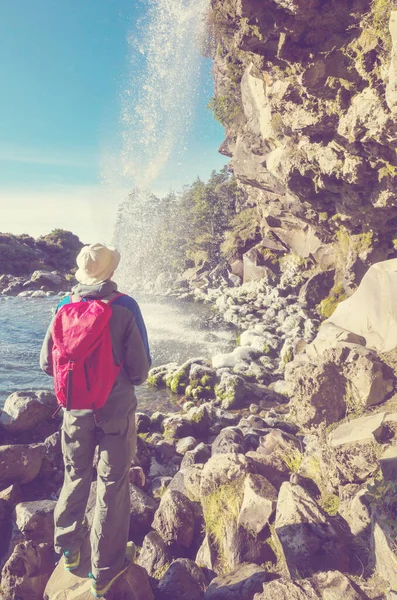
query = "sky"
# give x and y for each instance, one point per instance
(64, 68)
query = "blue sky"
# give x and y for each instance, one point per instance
(63, 68)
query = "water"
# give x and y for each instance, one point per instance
(176, 332)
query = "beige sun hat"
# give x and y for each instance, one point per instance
(96, 263)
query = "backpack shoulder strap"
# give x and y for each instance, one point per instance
(75, 298)
(115, 298)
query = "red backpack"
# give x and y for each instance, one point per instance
(82, 355)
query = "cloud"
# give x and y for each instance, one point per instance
(87, 211)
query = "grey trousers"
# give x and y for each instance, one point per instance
(109, 534)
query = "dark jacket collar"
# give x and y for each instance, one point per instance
(100, 290)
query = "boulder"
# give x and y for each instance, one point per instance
(143, 422)
(331, 585)
(229, 440)
(259, 503)
(222, 469)
(183, 580)
(199, 455)
(186, 444)
(240, 584)
(317, 391)
(310, 543)
(362, 430)
(187, 482)
(20, 463)
(272, 467)
(231, 391)
(154, 555)
(255, 268)
(24, 410)
(35, 521)
(354, 508)
(175, 519)
(316, 288)
(143, 508)
(27, 572)
(48, 280)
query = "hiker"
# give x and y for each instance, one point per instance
(100, 407)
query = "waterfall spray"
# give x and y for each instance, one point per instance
(157, 109)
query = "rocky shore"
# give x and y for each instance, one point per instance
(275, 479)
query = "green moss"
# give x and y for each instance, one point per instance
(323, 216)
(159, 573)
(293, 459)
(328, 306)
(157, 379)
(269, 255)
(330, 504)
(179, 381)
(226, 109)
(220, 510)
(265, 349)
(388, 170)
(288, 356)
(206, 380)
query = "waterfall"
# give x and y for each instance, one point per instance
(157, 111)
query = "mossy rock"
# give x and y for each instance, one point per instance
(231, 391)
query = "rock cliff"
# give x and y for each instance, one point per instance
(307, 92)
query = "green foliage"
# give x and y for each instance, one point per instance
(226, 109)
(244, 232)
(328, 306)
(293, 459)
(330, 503)
(221, 509)
(22, 254)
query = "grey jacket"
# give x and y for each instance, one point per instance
(130, 345)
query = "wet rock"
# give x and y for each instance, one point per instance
(259, 503)
(175, 519)
(310, 543)
(177, 427)
(182, 581)
(5, 526)
(240, 584)
(23, 411)
(154, 555)
(20, 463)
(231, 391)
(143, 423)
(143, 508)
(46, 279)
(27, 572)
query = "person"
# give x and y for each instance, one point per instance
(111, 427)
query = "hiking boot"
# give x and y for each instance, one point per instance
(98, 590)
(71, 560)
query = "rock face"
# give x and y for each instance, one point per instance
(303, 105)
(324, 586)
(182, 581)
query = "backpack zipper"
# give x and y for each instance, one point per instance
(69, 385)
